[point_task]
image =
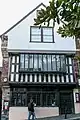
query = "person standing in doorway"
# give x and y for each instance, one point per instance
(31, 110)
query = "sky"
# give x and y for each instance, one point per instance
(12, 11)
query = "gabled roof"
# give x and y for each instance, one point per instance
(22, 19)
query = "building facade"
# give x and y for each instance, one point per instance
(39, 65)
(77, 74)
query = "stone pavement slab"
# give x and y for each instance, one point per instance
(62, 117)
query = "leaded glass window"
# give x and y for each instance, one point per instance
(42, 62)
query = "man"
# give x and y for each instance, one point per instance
(31, 110)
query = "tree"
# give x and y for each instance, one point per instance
(64, 12)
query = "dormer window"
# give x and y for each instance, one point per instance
(43, 34)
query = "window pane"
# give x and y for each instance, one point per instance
(40, 62)
(45, 62)
(47, 38)
(26, 61)
(35, 62)
(22, 60)
(51, 99)
(49, 62)
(23, 103)
(63, 67)
(47, 31)
(35, 31)
(35, 34)
(35, 38)
(31, 61)
(14, 99)
(53, 63)
(58, 62)
(38, 99)
(44, 99)
(18, 99)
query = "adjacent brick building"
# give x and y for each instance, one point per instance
(4, 76)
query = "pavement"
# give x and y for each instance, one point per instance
(4, 117)
(61, 117)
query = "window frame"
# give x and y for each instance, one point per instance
(42, 41)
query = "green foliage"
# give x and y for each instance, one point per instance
(66, 12)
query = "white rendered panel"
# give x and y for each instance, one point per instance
(17, 68)
(67, 79)
(12, 68)
(70, 61)
(44, 78)
(12, 77)
(13, 59)
(70, 67)
(26, 78)
(17, 59)
(21, 78)
(71, 78)
(39, 78)
(53, 78)
(17, 77)
(49, 78)
(30, 78)
(35, 78)
(62, 77)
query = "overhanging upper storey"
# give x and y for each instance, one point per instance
(41, 68)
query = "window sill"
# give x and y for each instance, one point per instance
(40, 42)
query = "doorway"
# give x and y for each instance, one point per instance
(66, 103)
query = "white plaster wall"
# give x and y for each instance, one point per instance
(19, 38)
(76, 105)
(21, 113)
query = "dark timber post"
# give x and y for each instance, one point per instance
(65, 109)
(0, 102)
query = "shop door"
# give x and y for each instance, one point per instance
(66, 103)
